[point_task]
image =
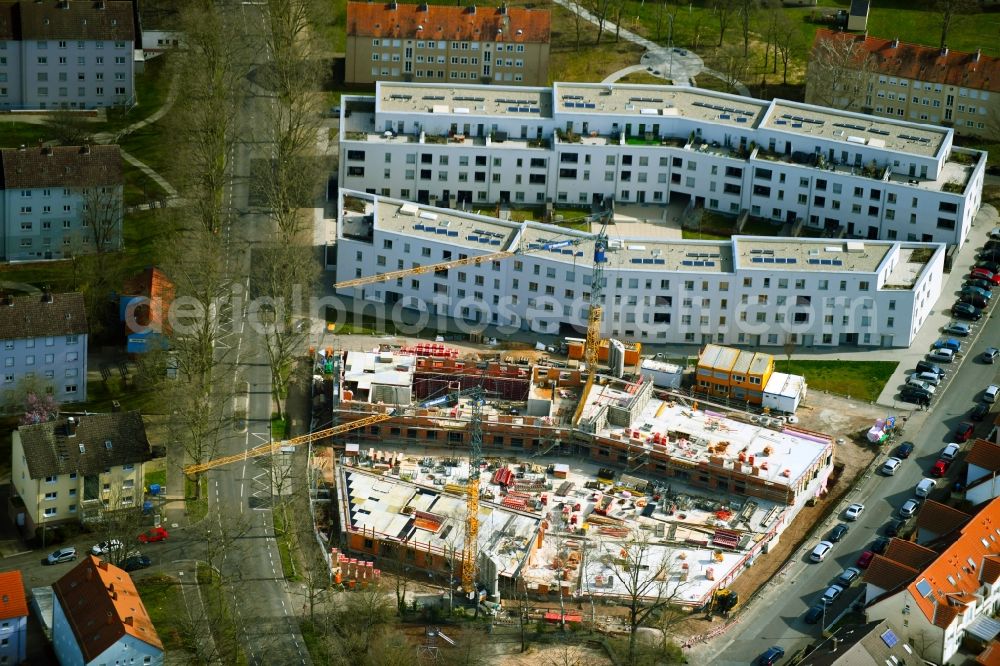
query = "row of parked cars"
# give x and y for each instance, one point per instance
(977, 290)
(131, 559)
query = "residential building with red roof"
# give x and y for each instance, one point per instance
(143, 308)
(951, 599)
(982, 475)
(923, 83)
(99, 618)
(13, 618)
(390, 41)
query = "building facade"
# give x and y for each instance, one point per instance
(392, 41)
(66, 54)
(60, 201)
(871, 293)
(13, 619)
(924, 84)
(73, 468)
(44, 341)
(575, 144)
(98, 618)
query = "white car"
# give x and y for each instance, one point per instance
(105, 547)
(821, 550)
(990, 394)
(950, 452)
(854, 511)
(890, 466)
(831, 594)
(909, 508)
(931, 378)
(942, 356)
(926, 386)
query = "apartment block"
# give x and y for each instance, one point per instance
(44, 339)
(390, 41)
(574, 144)
(75, 467)
(748, 291)
(66, 54)
(98, 618)
(60, 201)
(924, 84)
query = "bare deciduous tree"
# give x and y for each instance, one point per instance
(732, 64)
(723, 10)
(839, 70)
(949, 11)
(747, 12)
(786, 41)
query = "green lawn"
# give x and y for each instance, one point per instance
(756, 226)
(148, 145)
(196, 508)
(701, 235)
(156, 476)
(164, 601)
(863, 380)
(284, 541)
(14, 133)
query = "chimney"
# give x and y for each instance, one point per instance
(85, 149)
(503, 9)
(392, 5)
(8, 300)
(472, 9)
(422, 7)
(103, 564)
(47, 150)
(979, 54)
(895, 43)
(128, 621)
(46, 296)
(71, 425)
(944, 51)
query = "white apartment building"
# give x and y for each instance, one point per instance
(60, 201)
(44, 340)
(579, 143)
(66, 54)
(758, 291)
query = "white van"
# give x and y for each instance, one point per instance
(925, 487)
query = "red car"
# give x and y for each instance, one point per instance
(964, 431)
(865, 559)
(940, 468)
(154, 534)
(984, 274)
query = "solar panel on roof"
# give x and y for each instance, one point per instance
(418, 227)
(889, 638)
(658, 261)
(636, 260)
(453, 234)
(496, 242)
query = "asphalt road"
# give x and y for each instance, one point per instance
(776, 617)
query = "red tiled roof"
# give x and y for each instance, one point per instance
(12, 600)
(959, 568)
(940, 518)
(157, 287)
(888, 574)
(985, 454)
(990, 656)
(445, 22)
(991, 569)
(911, 554)
(925, 63)
(102, 606)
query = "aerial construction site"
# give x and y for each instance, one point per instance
(575, 481)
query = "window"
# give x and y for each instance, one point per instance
(51, 496)
(50, 512)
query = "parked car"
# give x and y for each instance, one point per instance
(909, 508)
(854, 511)
(904, 450)
(136, 562)
(923, 386)
(979, 291)
(966, 311)
(926, 377)
(978, 282)
(831, 594)
(948, 343)
(925, 487)
(914, 395)
(879, 545)
(995, 233)
(964, 431)
(892, 528)
(979, 412)
(950, 452)
(991, 266)
(942, 356)
(814, 614)
(821, 550)
(848, 576)
(973, 299)
(770, 656)
(890, 466)
(940, 468)
(67, 554)
(105, 547)
(978, 273)
(927, 366)
(990, 394)
(154, 534)
(990, 355)
(838, 532)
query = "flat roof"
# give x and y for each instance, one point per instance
(367, 368)
(784, 384)
(692, 431)
(468, 99)
(855, 128)
(718, 357)
(488, 234)
(653, 101)
(811, 254)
